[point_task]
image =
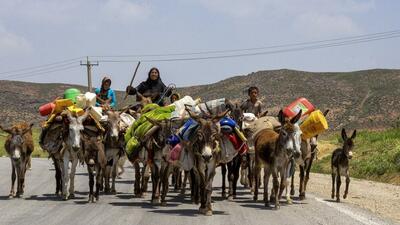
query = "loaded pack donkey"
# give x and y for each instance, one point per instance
(114, 149)
(205, 146)
(71, 152)
(233, 162)
(273, 151)
(309, 151)
(340, 164)
(19, 146)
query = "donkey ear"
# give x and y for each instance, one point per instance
(154, 122)
(218, 117)
(8, 130)
(344, 135)
(191, 114)
(29, 128)
(281, 117)
(326, 112)
(296, 118)
(264, 113)
(354, 134)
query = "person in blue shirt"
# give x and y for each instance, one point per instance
(105, 95)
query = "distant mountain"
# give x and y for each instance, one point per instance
(363, 99)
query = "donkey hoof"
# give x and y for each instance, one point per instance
(208, 213)
(255, 198)
(344, 196)
(302, 197)
(202, 211)
(230, 198)
(155, 201)
(292, 193)
(266, 204)
(338, 200)
(114, 192)
(289, 201)
(163, 203)
(10, 196)
(333, 196)
(72, 196)
(183, 192)
(65, 197)
(223, 194)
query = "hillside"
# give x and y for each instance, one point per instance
(363, 99)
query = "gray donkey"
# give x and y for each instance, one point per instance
(340, 164)
(72, 152)
(19, 146)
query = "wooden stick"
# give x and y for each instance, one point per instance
(133, 77)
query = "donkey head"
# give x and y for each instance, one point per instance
(208, 134)
(93, 150)
(162, 130)
(75, 128)
(113, 128)
(348, 143)
(16, 140)
(290, 134)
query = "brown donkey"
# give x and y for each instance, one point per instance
(340, 164)
(19, 146)
(274, 150)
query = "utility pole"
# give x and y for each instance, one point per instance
(89, 65)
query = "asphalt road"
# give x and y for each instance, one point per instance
(40, 206)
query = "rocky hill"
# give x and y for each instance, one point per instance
(364, 99)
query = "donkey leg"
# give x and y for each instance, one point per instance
(230, 180)
(65, 178)
(267, 175)
(114, 174)
(301, 187)
(99, 171)
(209, 191)
(333, 174)
(338, 183)
(72, 178)
(223, 169)
(13, 178)
(276, 188)
(257, 171)
(236, 173)
(137, 184)
(91, 183)
(155, 178)
(346, 191)
(292, 191)
(167, 170)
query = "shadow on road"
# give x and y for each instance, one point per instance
(44, 197)
(186, 212)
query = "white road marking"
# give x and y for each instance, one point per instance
(360, 218)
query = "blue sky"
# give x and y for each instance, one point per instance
(37, 32)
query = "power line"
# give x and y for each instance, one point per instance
(41, 73)
(393, 32)
(41, 66)
(312, 47)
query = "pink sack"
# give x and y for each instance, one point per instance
(175, 152)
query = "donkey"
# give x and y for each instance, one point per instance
(308, 152)
(71, 152)
(95, 160)
(274, 150)
(340, 164)
(205, 145)
(114, 148)
(19, 146)
(51, 140)
(233, 166)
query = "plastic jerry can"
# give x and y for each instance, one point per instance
(314, 124)
(62, 104)
(76, 111)
(300, 104)
(90, 99)
(96, 113)
(46, 109)
(71, 94)
(81, 101)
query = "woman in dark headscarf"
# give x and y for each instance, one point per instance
(153, 87)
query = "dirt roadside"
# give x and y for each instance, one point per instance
(380, 198)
